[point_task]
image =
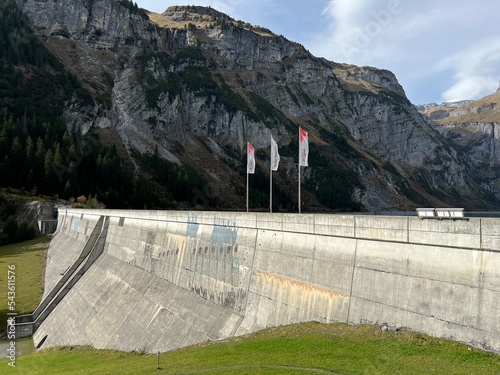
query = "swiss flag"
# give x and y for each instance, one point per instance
(250, 158)
(303, 148)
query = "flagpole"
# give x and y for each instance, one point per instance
(299, 183)
(271, 187)
(303, 156)
(250, 166)
(299, 167)
(271, 177)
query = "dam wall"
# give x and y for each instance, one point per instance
(168, 279)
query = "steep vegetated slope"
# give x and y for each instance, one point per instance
(174, 98)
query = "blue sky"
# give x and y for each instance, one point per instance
(440, 50)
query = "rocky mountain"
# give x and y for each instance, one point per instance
(436, 111)
(431, 106)
(193, 85)
(474, 127)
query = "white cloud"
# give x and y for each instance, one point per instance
(361, 32)
(476, 70)
(471, 87)
(450, 45)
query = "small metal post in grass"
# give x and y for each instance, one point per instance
(158, 361)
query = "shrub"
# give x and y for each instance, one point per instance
(18, 232)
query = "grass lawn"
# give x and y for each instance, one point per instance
(306, 348)
(29, 260)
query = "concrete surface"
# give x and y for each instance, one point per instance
(168, 279)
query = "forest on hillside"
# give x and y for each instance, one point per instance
(39, 154)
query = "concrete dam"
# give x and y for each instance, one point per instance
(160, 280)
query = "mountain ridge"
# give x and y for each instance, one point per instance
(475, 127)
(198, 93)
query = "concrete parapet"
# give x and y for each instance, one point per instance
(384, 228)
(457, 233)
(298, 223)
(490, 234)
(334, 225)
(269, 221)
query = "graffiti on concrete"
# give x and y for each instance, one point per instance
(208, 265)
(192, 225)
(215, 267)
(225, 232)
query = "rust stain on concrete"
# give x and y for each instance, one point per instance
(296, 285)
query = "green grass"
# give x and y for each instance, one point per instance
(29, 260)
(295, 349)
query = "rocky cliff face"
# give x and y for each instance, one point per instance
(200, 85)
(474, 127)
(103, 24)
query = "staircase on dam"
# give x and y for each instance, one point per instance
(160, 280)
(26, 325)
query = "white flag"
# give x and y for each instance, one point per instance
(303, 148)
(250, 158)
(275, 156)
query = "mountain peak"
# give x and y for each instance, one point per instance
(185, 13)
(180, 16)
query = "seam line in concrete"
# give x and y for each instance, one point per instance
(426, 278)
(421, 314)
(251, 272)
(352, 281)
(411, 243)
(407, 230)
(480, 234)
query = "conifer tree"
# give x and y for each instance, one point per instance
(67, 189)
(30, 151)
(4, 140)
(16, 152)
(49, 171)
(5, 171)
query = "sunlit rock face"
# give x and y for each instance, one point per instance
(196, 77)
